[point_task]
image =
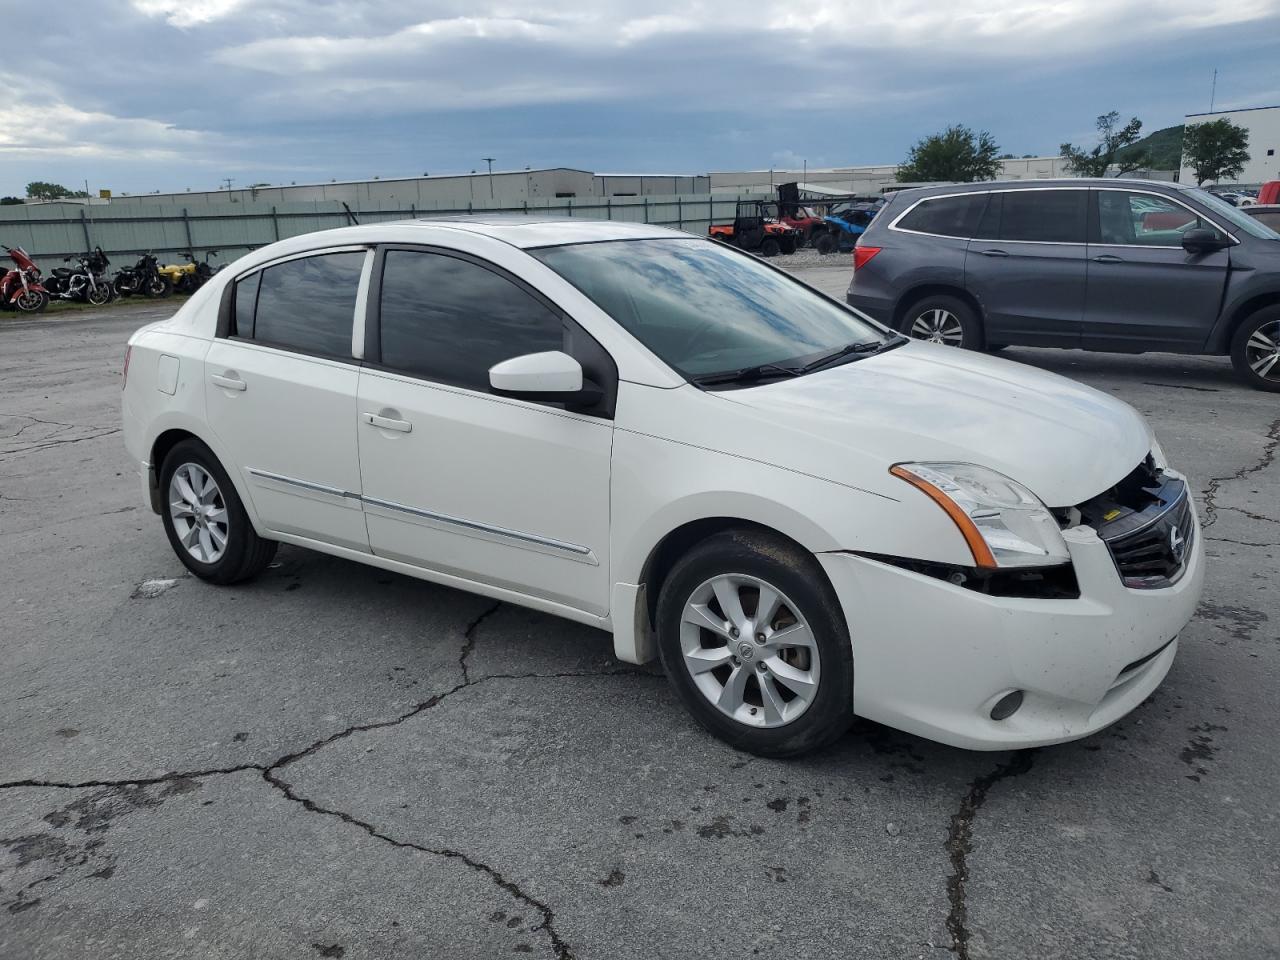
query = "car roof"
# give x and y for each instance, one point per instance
(532, 230)
(982, 186)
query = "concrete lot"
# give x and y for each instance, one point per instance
(334, 761)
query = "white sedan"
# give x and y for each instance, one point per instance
(805, 515)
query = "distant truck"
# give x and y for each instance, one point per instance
(755, 227)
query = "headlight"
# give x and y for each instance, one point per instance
(1003, 522)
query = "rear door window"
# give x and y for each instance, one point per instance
(306, 305)
(1044, 216)
(946, 216)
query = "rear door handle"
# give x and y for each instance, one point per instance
(993, 253)
(1108, 258)
(387, 423)
(229, 383)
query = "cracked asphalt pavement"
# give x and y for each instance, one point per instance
(335, 761)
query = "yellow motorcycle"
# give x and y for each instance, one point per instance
(190, 276)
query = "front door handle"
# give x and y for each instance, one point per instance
(1108, 258)
(387, 423)
(229, 383)
(993, 253)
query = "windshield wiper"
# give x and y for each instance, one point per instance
(761, 371)
(861, 348)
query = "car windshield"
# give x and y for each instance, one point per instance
(1225, 210)
(705, 309)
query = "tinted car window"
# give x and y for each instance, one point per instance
(1043, 216)
(451, 320)
(246, 302)
(1268, 218)
(308, 304)
(1143, 219)
(946, 216)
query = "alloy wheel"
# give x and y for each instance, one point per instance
(198, 512)
(938, 325)
(749, 650)
(1262, 351)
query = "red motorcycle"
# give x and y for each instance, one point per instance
(20, 288)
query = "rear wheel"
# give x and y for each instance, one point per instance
(755, 645)
(204, 519)
(945, 320)
(1255, 350)
(769, 247)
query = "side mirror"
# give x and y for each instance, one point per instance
(1202, 240)
(552, 376)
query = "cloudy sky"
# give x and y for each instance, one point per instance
(168, 94)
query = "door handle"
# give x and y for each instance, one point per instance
(387, 423)
(229, 383)
(1108, 258)
(993, 253)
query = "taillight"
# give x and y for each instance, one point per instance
(862, 255)
(128, 353)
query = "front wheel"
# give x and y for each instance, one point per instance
(31, 301)
(159, 286)
(753, 642)
(770, 247)
(945, 320)
(1255, 350)
(98, 295)
(825, 244)
(204, 519)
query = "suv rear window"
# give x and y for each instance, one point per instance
(1043, 216)
(945, 216)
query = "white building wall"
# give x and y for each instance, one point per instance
(1263, 124)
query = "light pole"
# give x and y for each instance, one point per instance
(489, 161)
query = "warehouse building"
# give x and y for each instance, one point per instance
(1263, 124)
(870, 180)
(450, 192)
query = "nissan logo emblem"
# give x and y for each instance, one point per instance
(1177, 543)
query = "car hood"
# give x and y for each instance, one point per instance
(919, 402)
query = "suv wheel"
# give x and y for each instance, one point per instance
(943, 319)
(753, 642)
(1255, 350)
(204, 519)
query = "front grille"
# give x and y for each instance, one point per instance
(1154, 555)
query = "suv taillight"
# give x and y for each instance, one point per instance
(861, 255)
(128, 352)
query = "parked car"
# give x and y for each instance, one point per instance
(755, 227)
(1266, 214)
(1127, 266)
(804, 514)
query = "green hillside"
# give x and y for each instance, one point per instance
(1165, 146)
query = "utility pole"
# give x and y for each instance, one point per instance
(1213, 90)
(489, 161)
(227, 181)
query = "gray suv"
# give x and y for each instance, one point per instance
(1119, 265)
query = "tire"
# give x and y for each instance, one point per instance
(943, 319)
(825, 244)
(159, 286)
(769, 247)
(98, 296)
(788, 247)
(739, 561)
(1255, 350)
(243, 554)
(33, 301)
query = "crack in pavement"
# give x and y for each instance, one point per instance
(1239, 543)
(1267, 458)
(271, 775)
(54, 443)
(960, 844)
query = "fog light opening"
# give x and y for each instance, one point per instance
(1007, 705)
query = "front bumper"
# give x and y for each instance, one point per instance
(932, 658)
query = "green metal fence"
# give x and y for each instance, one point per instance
(50, 232)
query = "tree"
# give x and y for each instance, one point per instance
(1111, 141)
(1215, 150)
(9, 201)
(957, 154)
(39, 190)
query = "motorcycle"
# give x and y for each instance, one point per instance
(190, 276)
(88, 283)
(143, 278)
(20, 288)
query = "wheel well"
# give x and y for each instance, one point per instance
(1243, 313)
(679, 541)
(916, 294)
(166, 442)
